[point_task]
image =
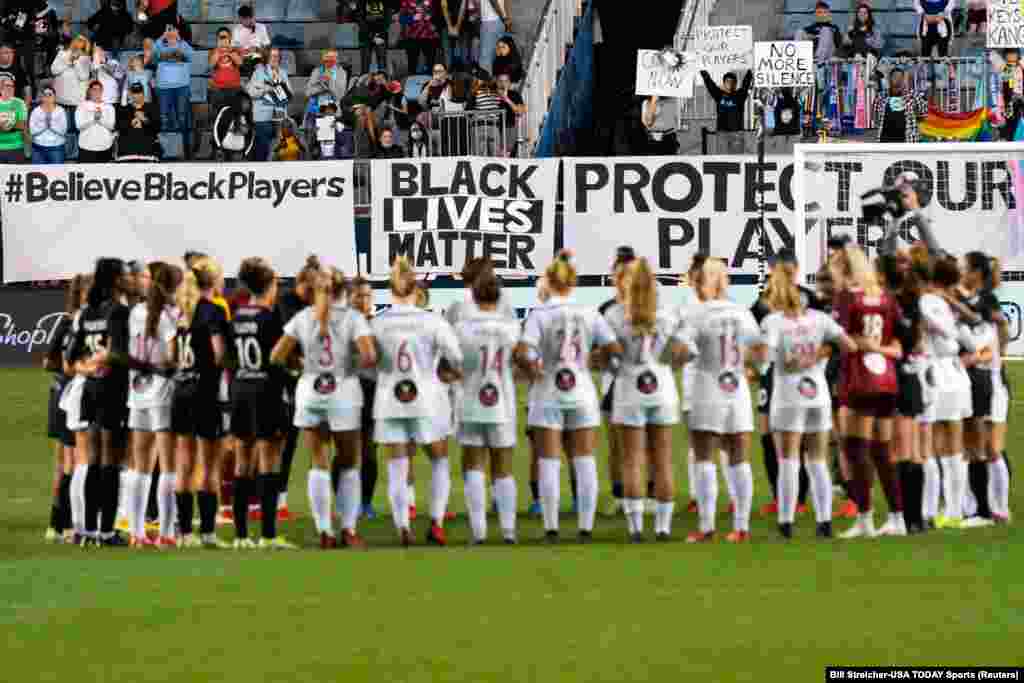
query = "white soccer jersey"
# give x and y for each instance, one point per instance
(607, 377)
(793, 338)
(489, 390)
(643, 380)
(331, 354)
(718, 332)
(461, 309)
(689, 368)
(987, 335)
(563, 333)
(940, 327)
(148, 390)
(411, 342)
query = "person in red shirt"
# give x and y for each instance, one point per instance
(225, 72)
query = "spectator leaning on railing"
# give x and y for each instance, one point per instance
(174, 86)
(936, 25)
(864, 38)
(48, 125)
(825, 35)
(897, 115)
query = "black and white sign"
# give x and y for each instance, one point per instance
(57, 220)
(654, 76)
(441, 212)
(721, 49)
(784, 64)
(1005, 24)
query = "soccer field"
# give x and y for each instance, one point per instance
(765, 611)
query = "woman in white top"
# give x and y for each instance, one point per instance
(487, 409)
(557, 342)
(410, 406)
(329, 334)
(719, 332)
(646, 402)
(72, 67)
(153, 329)
(95, 120)
(801, 407)
(48, 125)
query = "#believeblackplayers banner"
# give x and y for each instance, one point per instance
(57, 220)
(441, 212)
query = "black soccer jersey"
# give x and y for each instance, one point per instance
(256, 331)
(195, 345)
(105, 325)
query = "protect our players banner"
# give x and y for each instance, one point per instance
(57, 220)
(443, 211)
(721, 49)
(668, 208)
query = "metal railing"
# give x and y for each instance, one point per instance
(554, 37)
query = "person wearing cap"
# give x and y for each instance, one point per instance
(13, 116)
(730, 103)
(907, 184)
(173, 56)
(48, 126)
(247, 34)
(138, 125)
(327, 83)
(96, 120)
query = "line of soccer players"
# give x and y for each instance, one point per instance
(898, 361)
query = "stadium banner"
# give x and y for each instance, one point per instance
(668, 208)
(1005, 24)
(28, 320)
(721, 49)
(443, 211)
(57, 220)
(784, 64)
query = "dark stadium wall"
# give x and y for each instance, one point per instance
(28, 319)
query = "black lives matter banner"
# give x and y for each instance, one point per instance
(441, 212)
(57, 220)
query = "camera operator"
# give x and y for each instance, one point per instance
(902, 209)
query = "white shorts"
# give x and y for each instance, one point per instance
(688, 373)
(952, 405)
(155, 419)
(71, 403)
(800, 419)
(1000, 403)
(487, 434)
(734, 417)
(643, 416)
(545, 416)
(419, 430)
(339, 415)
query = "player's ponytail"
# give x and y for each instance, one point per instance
(783, 294)
(105, 281)
(486, 286)
(78, 286)
(165, 281)
(187, 298)
(207, 271)
(996, 273)
(641, 296)
(561, 274)
(862, 273)
(307, 277)
(331, 287)
(403, 278)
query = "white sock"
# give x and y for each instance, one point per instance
(932, 487)
(663, 517)
(77, 495)
(730, 482)
(969, 504)
(411, 494)
(743, 479)
(867, 521)
(634, 509)
(165, 503)
(440, 488)
(505, 497)
(586, 489)
(398, 491)
(282, 499)
(319, 487)
(821, 490)
(707, 495)
(961, 481)
(348, 499)
(953, 485)
(948, 483)
(999, 486)
(789, 486)
(691, 474)
(127, 499)
(142, 484)
(550, 483)
(475, 489)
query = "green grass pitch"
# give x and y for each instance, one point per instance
(767, 611)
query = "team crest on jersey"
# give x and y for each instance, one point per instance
(142, 383)
(406, 391)
(565, 379)
(325, 383)
(728, 382)
(647, 382)
(875, 363)
(808, 388)
(489, 395)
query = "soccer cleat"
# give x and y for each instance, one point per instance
(691, 507)
(1000, 519)
(328, 541)
(929, 524)
(449, 516)
(848, 510)
(51, 536)
(412, 513)
(859, 530)
(769, 509)
(367, 511)
(115, 540)
(738, 537)
(166, 542)
(152, 527)
(952, 523)
(976, 523)
(636, 537)
(243, 544)
(226, 515)
(824, 530)
(90, 542)
(475, 542)
(406, 536)
(942, 521)
(68, 537)
(350, 539)
(551, 536)
(891, 528)
(700, 537)
(534, 510)
(435, 536)
(802, 509)
(510, 539)
(613, 509)
(585, 536)
(213, 541)
(786, 530)
(122, 524)
(277, 543)
(662, 537)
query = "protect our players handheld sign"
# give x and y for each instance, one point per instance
(441, 212)
(1005, 24)
(721, 49)
(784, 64)
(656, 76)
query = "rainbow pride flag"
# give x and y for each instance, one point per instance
(971, 126)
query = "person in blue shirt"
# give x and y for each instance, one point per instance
(173, 58)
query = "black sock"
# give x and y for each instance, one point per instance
(152, 509)
(535, 490)
(287, 455)
(64, 502)
(55, 515)
(617, 489)
(185, 501)
(268, 504)
(240, 507)
(572, 481)
(977, 478)
(93, 494)
(1009, 470)
(771, 463)
(111, 489)
(368, 473)
(912, 484)
(650, 489)
(335, 474)
(805, 483)
(207, 511)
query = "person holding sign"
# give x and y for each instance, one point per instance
(660, 117)
(731, 103)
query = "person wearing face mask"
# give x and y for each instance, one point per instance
(248, 35)
(897, 115)
(825, 35)
(513, 105)
(49, 127)
(865, 38)
(388, 148)
(419, 146)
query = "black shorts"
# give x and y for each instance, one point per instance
(105, 406)
(196, 411)
(764, 394)
(981, 391)
(607, 403)
(57, 419)
(258, 409)
(910, 399)
(977, 16)
(878, 405)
